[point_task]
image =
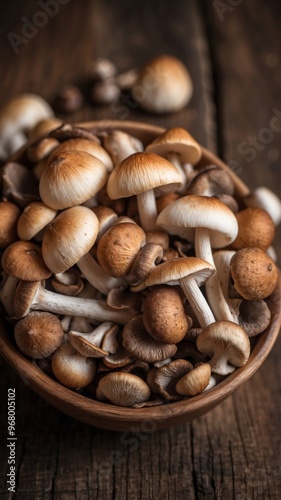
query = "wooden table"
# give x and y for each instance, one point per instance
(232, 50)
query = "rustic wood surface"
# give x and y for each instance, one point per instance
(232, 49)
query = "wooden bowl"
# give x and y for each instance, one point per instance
(111, 417)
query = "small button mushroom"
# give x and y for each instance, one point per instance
(164, 316)
(120, 145)
(30, 295)
(265, 198)
(181, 149)
(71, 368)
(163, 85)
(39, 334)
(34, 218)
(69, 99)
(123, 389)
(41, 149)
(71, 178)
(195, 381)
(189, 273)
(139, 344)
(88, 146)
(212, 225)
(226, 344)
(211, 181)
(23, 260)
(254, 273)
(19, 115)
(9, 215)
(105, 91)
(44, 127)
(139, 174)
(255, 229)
(165, 378)
(254, 316)
(118, 248)
(102, 68)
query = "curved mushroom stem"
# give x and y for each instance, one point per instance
(222, 260)
(220, 365)
(45, 300)
(96, 276)
(197, 301)
(214, 293)
(96, 336)
(147, 210)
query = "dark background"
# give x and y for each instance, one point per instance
(232, 49)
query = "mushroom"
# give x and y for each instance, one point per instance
(19, 115)
(165, 378)
(68, 131)
(39, 334)
(90, 344)
(264, 198)
(163, 85)
(30, 295)
(158, 237)
(71, 178)
(211, 181)
(34, 218)
(106, 217)
(71, 368)
(119, 359)
(213, 225)
(88, 146)
(120, 145)
(139, 344)
(118, 248)
(226, 344)
(19, 184)
(164, 316)
(23, 260)
(254, 316)
(9, 215)
(41, 149)
(181, 149)
(123, 389)
(189, 273)
(254, 273)
(138, 175)
(44, 127)
(255, 229)
(119, 298)
(68, 283)
(147, 258)
(195, 381)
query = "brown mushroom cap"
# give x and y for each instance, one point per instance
(254, 273)
(39, 334)
(9, 214)
(211, 181)
(195, 381)
(254, 316)
(71, 178)
(163, 85)
(164, 316)
(256, 229)
(226, 344)
(139, 344)
(71, 368)
(23, 260)
(142, 172)
(33, 219)
(69, 236)
(176, 140)
(91, 147)
(118, 248)
(123, 389)
(166, 377)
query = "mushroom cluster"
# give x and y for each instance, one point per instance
(132, 272)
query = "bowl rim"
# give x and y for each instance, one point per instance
(108, 416)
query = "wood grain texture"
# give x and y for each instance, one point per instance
(234, 451)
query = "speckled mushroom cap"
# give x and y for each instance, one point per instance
(141, 172)
(176, 140)
(191, 212)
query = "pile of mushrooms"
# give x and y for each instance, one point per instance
(133, 274)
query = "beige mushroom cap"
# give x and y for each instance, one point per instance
(23, 260)
(9, 214)
(33, 219)
(176, 140)
(191, 212)
(195, 381)
(123, 389)
(71, 368)
(256, 229)
(226, 344)
(69, 236)
(142, 172)
(163, 86)
(71, 178)
(91, 147)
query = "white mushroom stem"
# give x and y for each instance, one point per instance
(147, 210)
(96, 336)
(174, 159)
(222, 260)
(197, 301)
(121, 145)
(214, 293)
(96, 276)
(45, 300)
(219, 363)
